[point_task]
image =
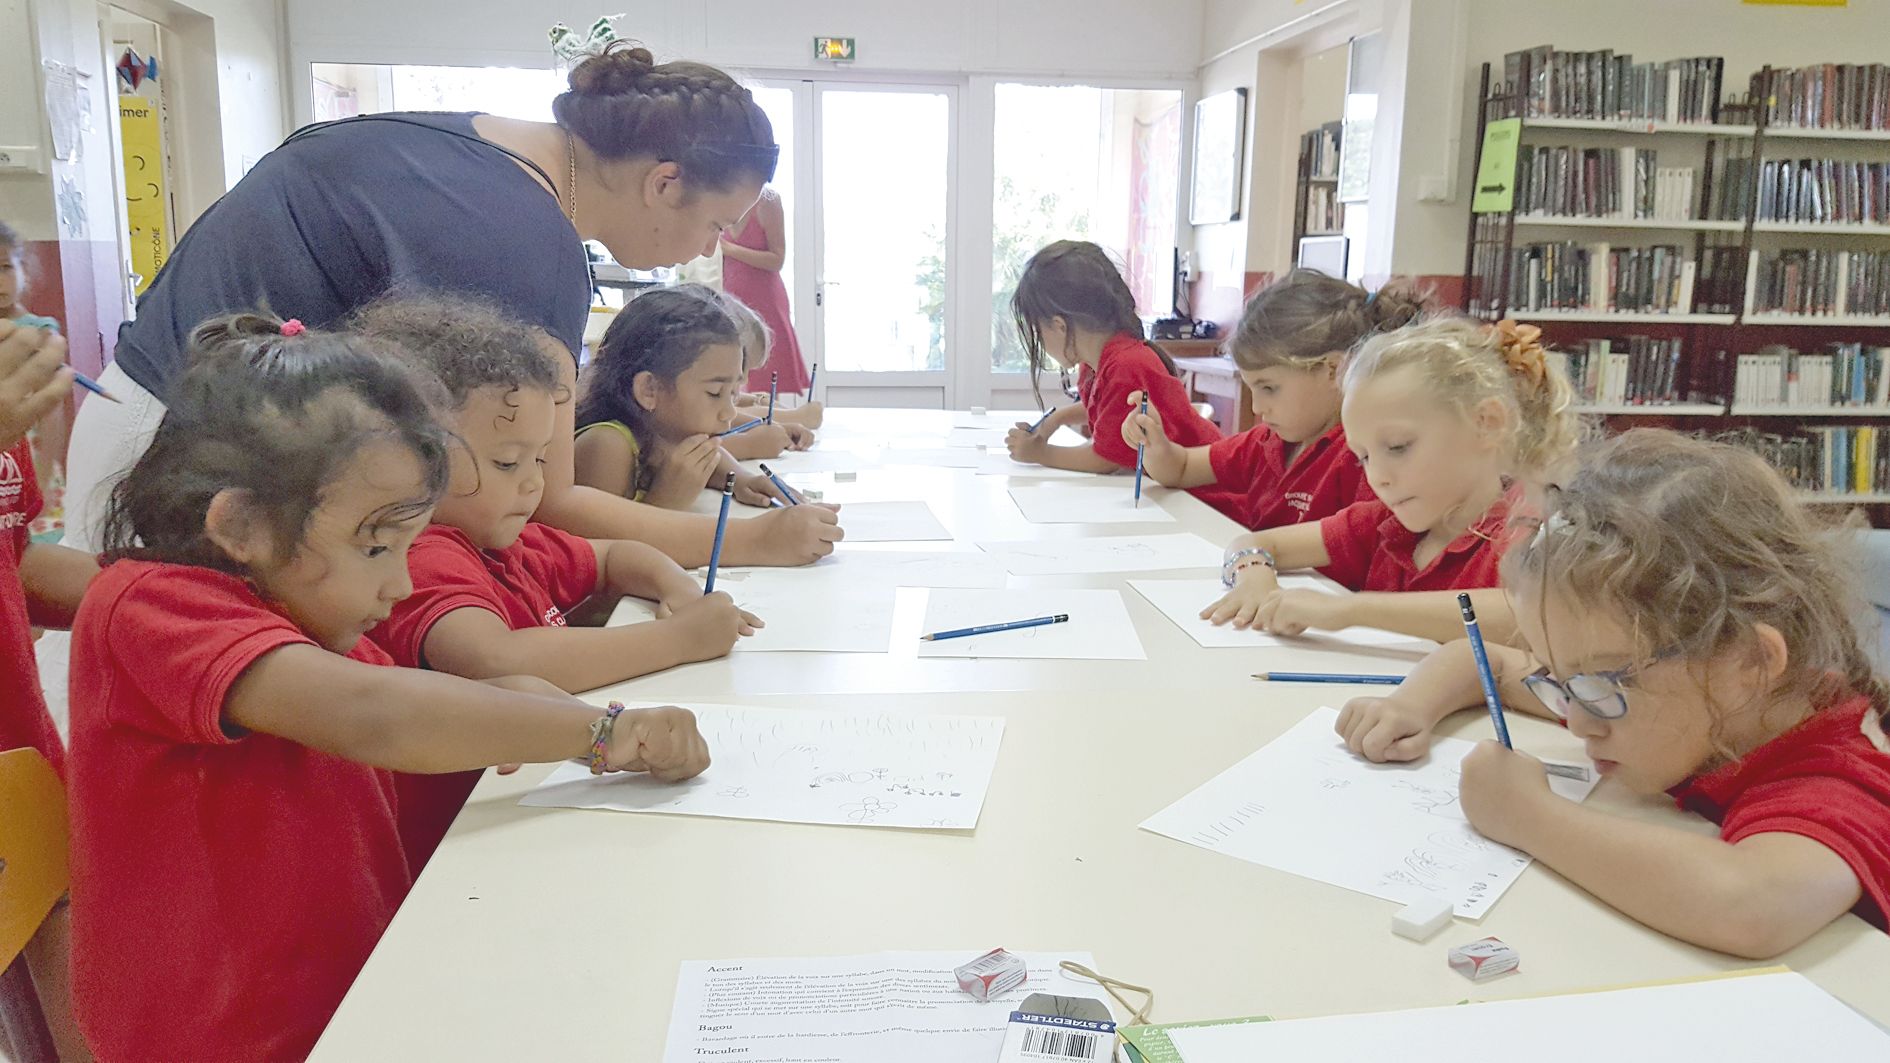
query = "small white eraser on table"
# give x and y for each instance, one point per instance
(978, 411)
(1421, 920)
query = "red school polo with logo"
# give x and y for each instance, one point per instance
(1372, 551)
(528, 584)
(1129, 365)
(227, 886)
(1828, 779)
(1256, 485)
(24, 721)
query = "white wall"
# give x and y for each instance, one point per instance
(1444, 57)
(1125, 38)
(1322, 88)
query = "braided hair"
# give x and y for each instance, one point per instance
(623, 104)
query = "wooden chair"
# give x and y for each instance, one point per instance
(33, 876)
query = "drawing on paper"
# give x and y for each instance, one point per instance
(867, 809)
(864, 769)
(1405, 832)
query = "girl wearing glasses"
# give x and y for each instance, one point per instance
(1688, 619)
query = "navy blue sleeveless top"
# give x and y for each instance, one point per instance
(344, 211)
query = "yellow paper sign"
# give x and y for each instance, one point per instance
(145, 195)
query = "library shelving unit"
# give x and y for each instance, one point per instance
(1316, 207)
(1722, 306)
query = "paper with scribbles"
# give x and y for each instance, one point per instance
(852, 769)
(1304, 804)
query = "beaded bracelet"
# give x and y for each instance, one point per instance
(601, 729)
(1232, 566)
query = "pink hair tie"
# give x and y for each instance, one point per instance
(293, 327)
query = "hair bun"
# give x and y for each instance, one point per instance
(618, 71)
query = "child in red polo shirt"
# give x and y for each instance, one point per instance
(1693, 626)
(234, 849)
(1074, 311)
(1294, 465)
(1446, 417)
(40, 584)
(491, 588)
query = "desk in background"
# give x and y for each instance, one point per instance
(1212, 378)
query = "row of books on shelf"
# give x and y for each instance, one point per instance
(1826, 96)
(1819, 282)
(1324, 212)
(1841, 459)
(1601, 183)
(1558, 84)
(1846, 375)
(1630, 371)
(1656, 279)
(1598, 277)
(1831, 191)
(1322, 145)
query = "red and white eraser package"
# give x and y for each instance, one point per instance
(992, 974)
(1483, 959)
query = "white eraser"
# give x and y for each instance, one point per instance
(1421, 920)
(977, 411)
(845, 477)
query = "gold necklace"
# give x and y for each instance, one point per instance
(570, 188)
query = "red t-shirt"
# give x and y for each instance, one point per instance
(1259, 489)
(1372, 551)
(1827, 779)
(24, 721)
(226, 886)
(1128, 365)
(528, 584)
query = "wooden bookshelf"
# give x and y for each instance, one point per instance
(1314, 180)
(1724, 222)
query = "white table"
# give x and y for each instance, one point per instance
(546, 933)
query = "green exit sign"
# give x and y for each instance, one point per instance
(834, 49)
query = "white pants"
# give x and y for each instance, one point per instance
(107, 440)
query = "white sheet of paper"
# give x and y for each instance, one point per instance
(1750, 1019)
(938, 458)
(891, 522)
(888, 568)
(1101, 504)
(1405, 836)
(869, 769)
(817, 460)
(800, 616)
(1099, 627)
(902, 1006)
(1181, 601)
(1080, 557)
(998, 463)
(977, 437)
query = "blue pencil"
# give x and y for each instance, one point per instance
(721, 526)
(1331, 677)
(1494, 703)
(812, 376)
(84, 381)
(774, 391)
(1046, 416)
(739, 429)
(93, 386)
(1139, 449)
(988, 629)
(793, 499)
